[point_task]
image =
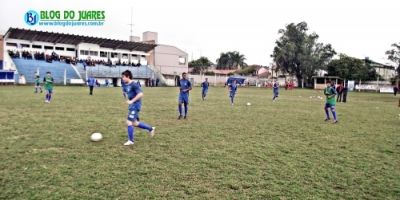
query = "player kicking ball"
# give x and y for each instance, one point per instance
(330, 94)
(134, 95)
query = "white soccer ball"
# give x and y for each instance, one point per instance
(248, 103)
(96, 137)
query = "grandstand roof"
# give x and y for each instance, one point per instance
(52, 37)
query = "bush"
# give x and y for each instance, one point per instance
(209, 73)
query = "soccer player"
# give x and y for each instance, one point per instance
(91, 82)
(37, 84)
(185, 87)
(135, 95)
(204, 86)
(330, 93)
(48, 86)
(232, 91)
(276, 91)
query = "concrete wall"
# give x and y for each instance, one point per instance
(169, 60)
(149, 36)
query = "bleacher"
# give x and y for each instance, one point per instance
(29, 67)
(142, 72)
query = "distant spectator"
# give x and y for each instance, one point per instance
(157, 81)
(339, 91)
(395, 90)
(344, 93)
(107, 82)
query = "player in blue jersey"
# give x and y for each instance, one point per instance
(204, 90)
(91, 81)
(134, 95)
(232, 91)
(275, 89)
(184, 88)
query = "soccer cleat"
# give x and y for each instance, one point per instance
(184, 117)
(127, 143)
(336, 121)
(327, 119)
(180, 117)
(153, 131)
(47, 101)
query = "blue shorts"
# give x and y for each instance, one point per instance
(232, 94)
(183, 98)
(50, 91)
(328, 105)
(204, 92)
(133, 115)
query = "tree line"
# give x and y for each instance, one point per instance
(299, 53)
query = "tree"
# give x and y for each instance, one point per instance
(231, 60)
(394, 55)
(298, 53)
(352, 68)
(249, 70)
(200, 65)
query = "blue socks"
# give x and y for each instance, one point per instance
(186, 108)
(334, 114)
(180, 109)
(131, 134)
(327, 113)
(131, 130)
(145, 126)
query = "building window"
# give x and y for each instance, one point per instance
(25, 45)
(84, 52)
(93, 53)
(182, 60)
(36, 46)
(70, 49)
(114, 55)
(60, 48)
(48, 48)
(103, 54)
(9, 44)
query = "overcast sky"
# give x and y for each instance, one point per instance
(209, 27)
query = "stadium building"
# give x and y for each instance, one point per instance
(72, 58)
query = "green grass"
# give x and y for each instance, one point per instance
(281, 150)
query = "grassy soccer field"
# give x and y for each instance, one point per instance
(281, 150)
